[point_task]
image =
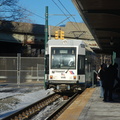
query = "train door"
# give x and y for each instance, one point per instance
(81, 69)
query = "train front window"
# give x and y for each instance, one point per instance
(63, 58)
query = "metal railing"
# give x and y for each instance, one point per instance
(21, 69)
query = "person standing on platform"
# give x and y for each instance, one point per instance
(117, 79)
(108, 83)
(100, 77)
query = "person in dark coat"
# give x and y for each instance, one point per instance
(108, 83)
(117, 79)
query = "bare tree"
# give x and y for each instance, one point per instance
(9, 10)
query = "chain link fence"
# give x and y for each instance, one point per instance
(21, 69)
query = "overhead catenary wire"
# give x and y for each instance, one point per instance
(30, 12)
(69, 13)
(60, 23)
(43, 17)
(65, 14)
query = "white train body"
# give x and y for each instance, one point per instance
(65, 65)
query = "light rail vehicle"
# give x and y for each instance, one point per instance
(68, 65)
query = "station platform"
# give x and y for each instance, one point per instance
(89, 106)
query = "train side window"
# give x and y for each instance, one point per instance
(47, 64)
(81, 64)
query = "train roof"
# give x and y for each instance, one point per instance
(69, 43)
(64, 42)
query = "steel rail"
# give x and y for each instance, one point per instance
(61, 109)
(31, 110)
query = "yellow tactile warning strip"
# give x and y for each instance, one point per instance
(74, 110)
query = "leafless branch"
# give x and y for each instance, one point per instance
(9, 10)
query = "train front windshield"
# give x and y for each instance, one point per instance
(63, 58)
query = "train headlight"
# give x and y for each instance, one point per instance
(74, 77)
(51, 77)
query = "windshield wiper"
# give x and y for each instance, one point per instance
(68, 69)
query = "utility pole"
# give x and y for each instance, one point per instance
(46, 39)
(46, 25)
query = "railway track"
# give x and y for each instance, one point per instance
(61, 109)
(31, 110)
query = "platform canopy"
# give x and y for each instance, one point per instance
(102, 17)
